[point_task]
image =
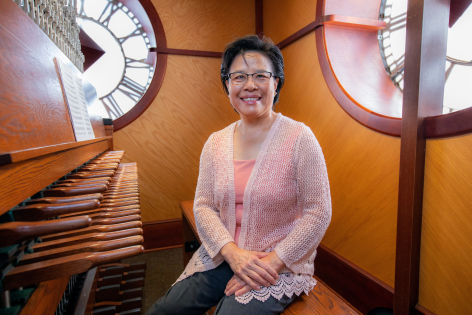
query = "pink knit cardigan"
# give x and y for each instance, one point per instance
(287, 203)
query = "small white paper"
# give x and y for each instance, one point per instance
(72, 85)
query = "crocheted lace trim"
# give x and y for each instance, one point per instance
(287, 284)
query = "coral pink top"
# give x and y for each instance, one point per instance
(242, 171)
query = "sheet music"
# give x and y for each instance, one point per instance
(72, 85)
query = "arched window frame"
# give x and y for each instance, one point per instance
(361, 36)
(146, 13)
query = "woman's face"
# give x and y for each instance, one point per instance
(251, 99)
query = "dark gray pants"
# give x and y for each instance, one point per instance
(203, 290)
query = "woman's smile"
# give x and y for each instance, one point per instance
(251, 99)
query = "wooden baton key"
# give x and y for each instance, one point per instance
(13, 232)
(43, 211)
(22, 276)
(107, 214)
(116, 204)
(91, 247)
(89, 175)
(127, 195)
(121, 199)
(65, 199)
(74, 191)
(121, 191)
(128, 218)
(85, 180)
(92, 237)
(104, 210)
(79, 184)
(94, 229)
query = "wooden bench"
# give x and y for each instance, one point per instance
(321, 300)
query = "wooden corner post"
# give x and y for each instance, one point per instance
(425, 57)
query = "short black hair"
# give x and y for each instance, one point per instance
(253, 43)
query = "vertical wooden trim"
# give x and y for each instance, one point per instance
(259, 18)
(109, 132)
(425, 57)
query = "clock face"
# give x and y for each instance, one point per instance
(121, 76)
(458, 72)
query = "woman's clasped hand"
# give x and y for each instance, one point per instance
(251, 269)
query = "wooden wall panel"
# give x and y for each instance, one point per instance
(167, 139)
(33, 110)
(282, 18)
(446, 240)
(363, 165)
(31, 102)
(205, 25)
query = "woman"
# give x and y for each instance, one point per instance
(262, 203)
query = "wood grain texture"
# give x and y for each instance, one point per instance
(18, 156)
(24, 179)
(50, 291)
(66, 266)
(34, 112)
(166, 141)
(446, 240)
(283, 18)
(205, 25)
(14, 232)
(356, 286)
(362, 166)
(320, 301)
(81, 248)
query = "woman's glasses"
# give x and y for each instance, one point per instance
(262, 77)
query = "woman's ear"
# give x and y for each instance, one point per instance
(227, 86)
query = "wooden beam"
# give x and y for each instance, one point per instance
(426, 39)
(260, 18)
(354, 22)
(186, 52)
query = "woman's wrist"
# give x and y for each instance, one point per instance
(227, 250)
(275, 261)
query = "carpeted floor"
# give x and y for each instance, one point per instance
(163, 267)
